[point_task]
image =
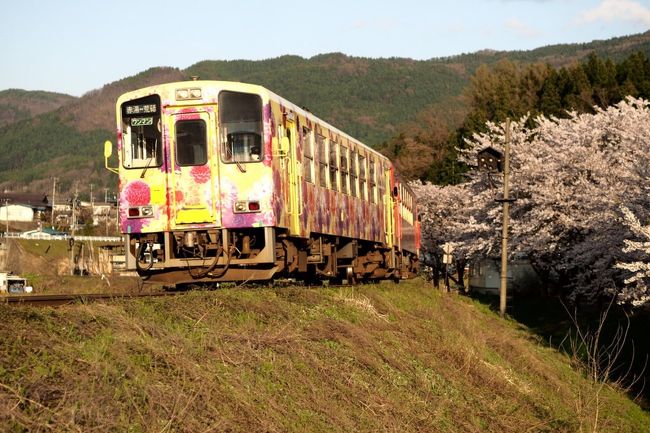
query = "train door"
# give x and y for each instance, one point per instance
(389, 207)
(193, 188)
(295, 184)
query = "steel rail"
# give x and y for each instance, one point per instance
(72, 298)
(64, 299)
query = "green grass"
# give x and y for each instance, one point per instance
(388, 357)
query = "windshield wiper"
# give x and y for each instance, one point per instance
(240, 166)
(146, 167)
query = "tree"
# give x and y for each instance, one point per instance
(448, 216)
(421, 143)
(570, 176)
(637, 285)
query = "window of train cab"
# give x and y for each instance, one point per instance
(240, 124)
(141, 133)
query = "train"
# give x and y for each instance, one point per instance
(229, 182)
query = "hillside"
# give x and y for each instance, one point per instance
(559, 55)
(373, 358)
(368, 98)
(66, 143)
(17, 105)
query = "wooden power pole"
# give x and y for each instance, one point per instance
(53, 195)
(504, 234)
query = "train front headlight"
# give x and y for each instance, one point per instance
(185, 94)
(241, 206)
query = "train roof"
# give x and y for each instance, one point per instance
(167, 90)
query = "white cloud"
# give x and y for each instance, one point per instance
(521, 29)
(617, 10)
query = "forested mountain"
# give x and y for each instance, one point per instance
(393, 104)
(16, 105)
(368, 98)
(560, 55)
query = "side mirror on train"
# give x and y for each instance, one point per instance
(108, 151)
(395, 191)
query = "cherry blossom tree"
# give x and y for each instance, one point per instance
(636, 290)
(448, 218)
(571, 176)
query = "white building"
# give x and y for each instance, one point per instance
(17, 212)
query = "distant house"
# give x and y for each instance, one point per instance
(102, 212)
(22, 207)
(16, 212)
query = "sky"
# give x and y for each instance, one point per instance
(73, 47)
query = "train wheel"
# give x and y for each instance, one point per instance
(350, 276)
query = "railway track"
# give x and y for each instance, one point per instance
(64, 299)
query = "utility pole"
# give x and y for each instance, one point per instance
(504, 235)
(74, 224)
(107, 218)
(92, 205)
(53, 195)
(7, 215)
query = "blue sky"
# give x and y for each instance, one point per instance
(76, 46)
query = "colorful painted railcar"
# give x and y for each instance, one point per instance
(224, 181)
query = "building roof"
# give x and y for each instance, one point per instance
(26, 199)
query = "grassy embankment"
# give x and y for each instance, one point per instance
(46, 266)
(372, 358)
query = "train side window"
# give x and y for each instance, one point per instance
(240, 121)
(372, 180)
(308, 155)
(353, 173)
(322, 160)
(363, 184)
(381, 190)
(334, 165)
(344, 170)
(191, 142)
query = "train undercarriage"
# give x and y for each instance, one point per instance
(263, 254)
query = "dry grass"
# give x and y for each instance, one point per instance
(388, 358)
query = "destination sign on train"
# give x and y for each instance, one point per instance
(134, 110)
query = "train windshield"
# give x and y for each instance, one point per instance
(141, 133)
(240, 118)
